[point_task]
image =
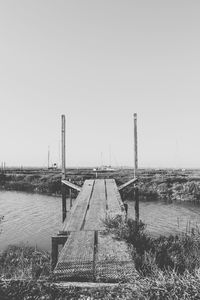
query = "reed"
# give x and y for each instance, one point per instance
(177, 253)
(24, 262)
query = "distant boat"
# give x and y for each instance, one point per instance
(104, 169)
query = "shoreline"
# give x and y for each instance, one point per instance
(167, 185)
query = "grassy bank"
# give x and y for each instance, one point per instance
(167, 185)
(163, 287)
(24, 262)
(175, 253)
(168, 267)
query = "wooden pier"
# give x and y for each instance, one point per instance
(90, 252)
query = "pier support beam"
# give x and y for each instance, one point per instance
(64, 202)
(137, 212)
(55, 242)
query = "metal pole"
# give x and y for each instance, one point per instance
(135, 145)
(63, 188)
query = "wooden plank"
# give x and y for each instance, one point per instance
(97, 208)
(113, 260)
(78, 211)
(121, 187)
(71, 185)
(76, 260)
(114, 203)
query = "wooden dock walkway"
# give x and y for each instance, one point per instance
(89, 253)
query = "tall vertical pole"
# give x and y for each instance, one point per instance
(64, 194)
(136, 195)
(135, 145)
(63, 146)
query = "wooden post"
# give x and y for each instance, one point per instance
(136, 194)
(63, 188)
(137, 212)
(64, 203)
(54, 252)
(70, 195)
(135, 145)
(126, 209)
(55, 242)
(63, 146)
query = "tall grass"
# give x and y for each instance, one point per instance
(169, 268)
(177, 253)
(24, 262)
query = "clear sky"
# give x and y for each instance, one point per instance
(98, 62)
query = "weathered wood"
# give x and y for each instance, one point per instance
(63, 145)
(71, 185)
(114, 262)
(76, 260)
(97, 208)
(55, 242)
(64, 203)
(85, 255)
(114, 203)
(79, 209)
(70, 195)
(54, 252)
(137, 211)
(88, 285)
(121, 187)
(135, 144)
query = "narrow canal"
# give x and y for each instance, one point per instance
(33, 218)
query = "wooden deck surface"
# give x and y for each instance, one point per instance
(79, 210)
(97, 199)
(88, 252)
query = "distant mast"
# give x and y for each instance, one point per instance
(135, 145)
(48, 156)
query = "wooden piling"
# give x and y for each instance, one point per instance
(136, 194)
(137, 211)
(135, 144)
(54, 252)
(64, 202)
(63, 188)
(63, 146)
(55, 242)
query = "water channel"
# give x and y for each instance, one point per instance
(33, 218)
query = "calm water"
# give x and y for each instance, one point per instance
(166, 218)
(29, 218)
(33, 219)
